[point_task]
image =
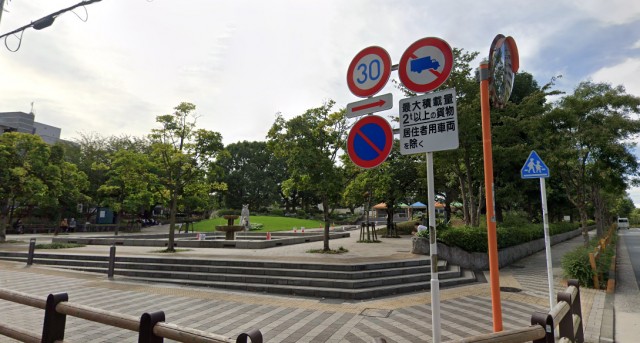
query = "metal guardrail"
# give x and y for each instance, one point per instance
(566, 316)
(151, 327)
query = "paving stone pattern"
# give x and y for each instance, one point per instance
(465, 310)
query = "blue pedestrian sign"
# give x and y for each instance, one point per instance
(534, 168)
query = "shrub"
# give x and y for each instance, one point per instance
(423, 234)
(576, 265)
(276, 212)
(405, 228)
(474, 239)
(255, 226)
(228, 211)
(471, 239)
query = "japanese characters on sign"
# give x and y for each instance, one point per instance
(429, 122)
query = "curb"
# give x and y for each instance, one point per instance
(607, 327)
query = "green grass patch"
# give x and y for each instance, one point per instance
(11, 241)
(340, 250)
(59, 245)
(269, 223)
(167, 251)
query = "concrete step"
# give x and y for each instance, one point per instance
(326, 282)
(316, 292)
(346, 281)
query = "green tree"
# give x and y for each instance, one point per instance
(459, 171)
(392, 181)
(185, 156)
(35, 174)
(131, 185)
(310, 145)
(590, 143)
(253, 175)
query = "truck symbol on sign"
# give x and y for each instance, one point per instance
(424, 63)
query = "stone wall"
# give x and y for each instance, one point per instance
(480, 261)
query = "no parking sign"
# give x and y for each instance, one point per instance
(370, 141)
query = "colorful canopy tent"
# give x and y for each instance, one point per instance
(418, 204)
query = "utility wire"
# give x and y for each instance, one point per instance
(44, 22)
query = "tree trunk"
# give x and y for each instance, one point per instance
(583, 222)
(172, 219)
(598, 209)
(325, 211)
(476, 217)
(3, 220)
(465, 202)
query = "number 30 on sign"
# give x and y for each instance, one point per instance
(369, 71)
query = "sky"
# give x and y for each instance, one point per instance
(112, 69)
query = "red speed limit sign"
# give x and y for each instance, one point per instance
(369, 71)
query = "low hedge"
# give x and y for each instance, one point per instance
(576, 263)
(474, 239)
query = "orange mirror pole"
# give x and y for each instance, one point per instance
(494, 272)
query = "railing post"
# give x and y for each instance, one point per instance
(576, 308)
(566, 323)
(594, 269)
(253, 336)
(54, 322)
(147, 322)
(112, 261)
(32, 249)
(546, 321)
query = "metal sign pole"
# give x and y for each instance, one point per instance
(433, 250)
(494, 271)
(547, 240)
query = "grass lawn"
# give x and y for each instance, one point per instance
(269, 223)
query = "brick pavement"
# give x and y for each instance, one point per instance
(465, 310)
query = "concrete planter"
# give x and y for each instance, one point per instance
(480, 261)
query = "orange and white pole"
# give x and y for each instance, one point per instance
(494, 272)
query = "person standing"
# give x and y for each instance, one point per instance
(72, 225)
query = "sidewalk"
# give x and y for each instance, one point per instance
(465, 310)
(627, 295)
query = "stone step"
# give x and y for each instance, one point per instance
(327, 282)
(346, 281)
(316, 292)
(235, 263)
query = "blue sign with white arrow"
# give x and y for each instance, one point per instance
(534, 168)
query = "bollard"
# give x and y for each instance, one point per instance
(112, 261)
(54, 322)
(32, 249)
(147, 322)
(253, 336)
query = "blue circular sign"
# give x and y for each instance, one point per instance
(370, 141)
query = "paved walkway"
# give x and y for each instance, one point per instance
(627, 296)
(465, 310)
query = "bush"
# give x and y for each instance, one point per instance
(474, 239)
(276, 212)
(228, 211)
(576, 263)
(576, 266)
(406, 228)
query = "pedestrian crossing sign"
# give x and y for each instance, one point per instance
(534, 168)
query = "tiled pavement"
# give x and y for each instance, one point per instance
(465, 310)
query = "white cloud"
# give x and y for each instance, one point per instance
(625, 73)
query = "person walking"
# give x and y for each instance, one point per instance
(72, 225)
